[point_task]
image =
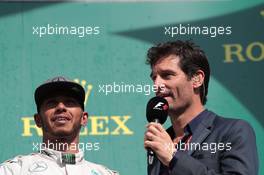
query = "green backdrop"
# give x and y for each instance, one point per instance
(114, 50)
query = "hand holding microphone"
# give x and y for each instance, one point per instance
(156, 139)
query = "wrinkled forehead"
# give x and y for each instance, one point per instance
(163, 58)
(170, 59)
(167, 63)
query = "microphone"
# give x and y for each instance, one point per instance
(157, 111)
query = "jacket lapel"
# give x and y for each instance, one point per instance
(203, 130)
(199, 135)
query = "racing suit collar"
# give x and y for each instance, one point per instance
(63, 157)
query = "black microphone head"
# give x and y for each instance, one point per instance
(157, 109)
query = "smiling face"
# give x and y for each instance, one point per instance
(179, 89)
(61, 116)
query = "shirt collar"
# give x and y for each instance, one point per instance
(191, 126)
(63, 157)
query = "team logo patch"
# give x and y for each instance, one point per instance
(38, 167)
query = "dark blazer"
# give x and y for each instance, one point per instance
(241, 159)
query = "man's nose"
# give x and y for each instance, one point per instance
(159, 83)
(60, 106)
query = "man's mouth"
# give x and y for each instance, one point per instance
(60, 119)
(164, 95)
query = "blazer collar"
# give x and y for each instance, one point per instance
(203, 129)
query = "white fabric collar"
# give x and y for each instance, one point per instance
(63, 157)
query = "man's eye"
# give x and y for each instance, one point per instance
(51, 103)
(70, 102)
(166, 76)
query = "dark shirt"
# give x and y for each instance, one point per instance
(189, 129)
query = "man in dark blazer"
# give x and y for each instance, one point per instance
(199, 142)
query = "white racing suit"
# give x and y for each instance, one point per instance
(51, 162)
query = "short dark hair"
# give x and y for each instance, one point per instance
(192, 59)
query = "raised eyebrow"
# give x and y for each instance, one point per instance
(169, 71)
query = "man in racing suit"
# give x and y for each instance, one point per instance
(60, 106)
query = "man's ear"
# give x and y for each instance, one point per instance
(38, 120)
(84, 119)
(198, 79)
